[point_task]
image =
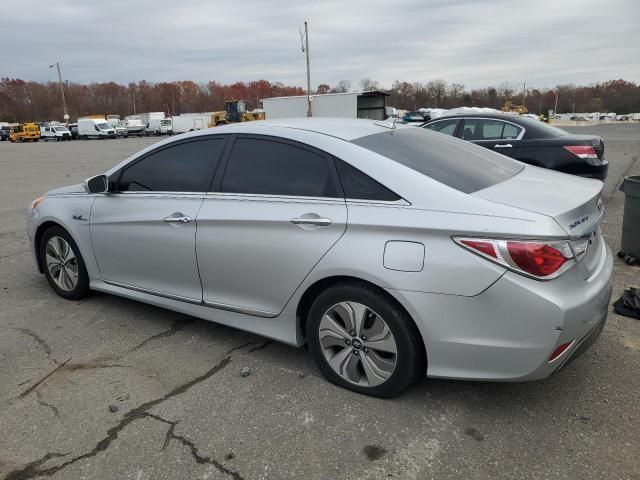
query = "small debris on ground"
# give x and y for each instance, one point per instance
(113, 408)
(245, 372)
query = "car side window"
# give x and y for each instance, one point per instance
(482, 129)
(269, 167)
(185, 167)
(360, 186)
(511, 131)
(448, 127)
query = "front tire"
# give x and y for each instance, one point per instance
(63, 265)
(363, 341)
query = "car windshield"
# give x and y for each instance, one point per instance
(61, 129)
(460, 165)
(104, 126)
(165, 122)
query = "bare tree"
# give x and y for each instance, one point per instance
(456, 91)
(367, 85)
(437, 90)
(342, 86)
(506, 90)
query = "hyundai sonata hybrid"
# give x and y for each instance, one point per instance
(393, 252)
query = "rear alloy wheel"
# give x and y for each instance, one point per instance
(363, 342)
(63, 265)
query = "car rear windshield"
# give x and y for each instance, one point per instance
(541, 129)
(458, 164)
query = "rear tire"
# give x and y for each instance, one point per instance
(63, 264)
(362, 341)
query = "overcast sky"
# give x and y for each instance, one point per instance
(476, 43)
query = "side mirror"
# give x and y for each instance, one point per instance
(97, 184)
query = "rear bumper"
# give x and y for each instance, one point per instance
(584, 344)
(509, 331)
(583, 169)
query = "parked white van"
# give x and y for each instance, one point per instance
(58, 133)
(95, 128)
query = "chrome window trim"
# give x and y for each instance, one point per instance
(163, 194)
(274, 198)
(381, 203)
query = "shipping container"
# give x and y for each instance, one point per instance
(370, 105)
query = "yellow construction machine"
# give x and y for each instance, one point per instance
(511, 107)
(25, 132)
(235, 111)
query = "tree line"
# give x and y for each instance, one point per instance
(22, 100)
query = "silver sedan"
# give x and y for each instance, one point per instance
(393, 252)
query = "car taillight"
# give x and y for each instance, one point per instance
(537, 259)
(586, 152)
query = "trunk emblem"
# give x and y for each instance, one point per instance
(578, 222)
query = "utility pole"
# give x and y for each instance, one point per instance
(555, 109)
(305, 49)
(524, 92)
(64, 101)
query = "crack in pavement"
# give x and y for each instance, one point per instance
(31, 470)
(171, 435)
(45, 404)
(95, 366)
(41, 341)
(175, 327)
(14, 254)
(262, 346)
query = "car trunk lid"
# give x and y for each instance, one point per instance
(573, 202)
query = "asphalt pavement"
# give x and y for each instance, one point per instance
(110, 388)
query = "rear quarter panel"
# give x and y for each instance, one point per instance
(447, 268)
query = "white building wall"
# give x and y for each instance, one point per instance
(329, 105)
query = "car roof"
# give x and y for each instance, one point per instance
(343, 128)
(498, 116)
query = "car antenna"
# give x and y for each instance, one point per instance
(391, 126)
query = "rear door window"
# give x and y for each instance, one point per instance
(460, 165)
(269, 167)
(482, 129)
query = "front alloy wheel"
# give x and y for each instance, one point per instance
(62, 263)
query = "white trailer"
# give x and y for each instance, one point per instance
(156, 123)
(370, 105)
(188, 122)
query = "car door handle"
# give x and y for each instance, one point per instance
(177, 218)
(315, 220)
(503, 145)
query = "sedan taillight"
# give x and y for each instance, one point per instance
(538, 259)
(586, 152)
